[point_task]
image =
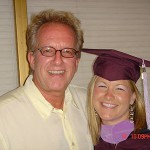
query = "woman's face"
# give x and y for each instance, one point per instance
(111, 100)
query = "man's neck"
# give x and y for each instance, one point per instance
(55, 99)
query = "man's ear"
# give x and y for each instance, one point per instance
(31, 59)
(77, 63)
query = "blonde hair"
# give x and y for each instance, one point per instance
(52, 16)
(139, 109)
(94, 120)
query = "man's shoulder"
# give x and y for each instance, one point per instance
(79, 95)
(11, 96)
(78, 89)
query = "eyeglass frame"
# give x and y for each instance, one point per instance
(76, 53)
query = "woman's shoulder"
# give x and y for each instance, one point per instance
(140, 141)
(144, 131)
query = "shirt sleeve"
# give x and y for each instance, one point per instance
(3, 143)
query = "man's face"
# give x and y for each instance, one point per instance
(53, 74)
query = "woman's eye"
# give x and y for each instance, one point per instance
(101, 85)
(121, 89)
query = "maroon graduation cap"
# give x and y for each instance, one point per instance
(115, 65)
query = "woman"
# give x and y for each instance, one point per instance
(116, 111)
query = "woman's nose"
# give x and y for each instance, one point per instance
(109, 94)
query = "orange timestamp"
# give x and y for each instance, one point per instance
(140, 136)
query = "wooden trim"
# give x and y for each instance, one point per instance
(20, 12)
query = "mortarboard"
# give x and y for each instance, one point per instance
(115, 65)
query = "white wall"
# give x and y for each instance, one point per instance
(8, 61)
(118, 24)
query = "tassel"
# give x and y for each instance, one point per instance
(146, 97)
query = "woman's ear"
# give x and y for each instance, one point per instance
(133, 98)
(31, 59)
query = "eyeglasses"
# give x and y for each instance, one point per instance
(49, 51)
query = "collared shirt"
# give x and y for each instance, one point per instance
(29, 122)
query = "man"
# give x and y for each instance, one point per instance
(47, 113)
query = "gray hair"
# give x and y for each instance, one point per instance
(51, 16)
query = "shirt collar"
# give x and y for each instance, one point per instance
(116, 133)
(41, 104)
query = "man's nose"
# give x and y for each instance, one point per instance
(58, 57)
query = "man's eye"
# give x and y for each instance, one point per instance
(47, 51)
(67, 51)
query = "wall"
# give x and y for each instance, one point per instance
(8, 60)
(118, 24)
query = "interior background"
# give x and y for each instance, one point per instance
(117, 24)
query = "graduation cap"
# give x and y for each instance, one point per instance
(115, 65)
